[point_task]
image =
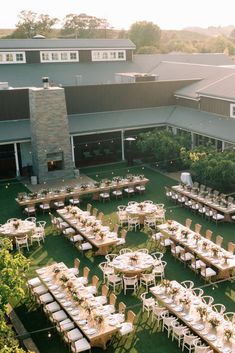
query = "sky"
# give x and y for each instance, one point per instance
(167, 14)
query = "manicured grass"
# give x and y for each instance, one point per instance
(56, 248)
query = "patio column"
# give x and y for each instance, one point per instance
(223, 146)
(72, 149)
(123, 145)
(16, 159)
(193, 140)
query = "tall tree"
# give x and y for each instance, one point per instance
(30, 24)
(145, 34)
(85, 26)
(12, 282)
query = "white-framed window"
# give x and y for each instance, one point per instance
(59, 56)
(12, 58)
(232, 110)
(108, 55)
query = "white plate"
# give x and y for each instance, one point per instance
(211, 337)
(91, 331)
(60, 295)
(82, 322)
(199, 327)
(168, 301)
(178, 309)
(75, 312)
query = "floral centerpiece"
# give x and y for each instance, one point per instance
(141, 205)
(228, 334)
(117, 179)
(99, 319)
(172, 228)
(166, 284)
(57, 191)
(63, 278)
(186, 301)
(134, 259)
(215, 251)
(97, 184)
(21, 196)
(214, 321)
(141, 176)
(95, 229)
(79, 300)
(69, 189)
(83, 221)
(174, 291)
(73, 211)
(108, 182)
(16, 224)
(102, 235)
(196, 237)
(204, 245)
(87, 308)
(185, 233)
(32, 195)
(202, 311)
(83, 186)
(130, 177)
(44, 192)
(226, 257)
(56, 269)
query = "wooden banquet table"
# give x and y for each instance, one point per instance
(98, 335)
(133, 263)
(78, 191)
(224, 261)
(226, 211)
(17, 228)
(191, 318)
(87, 231)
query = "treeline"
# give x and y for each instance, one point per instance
(147, 36)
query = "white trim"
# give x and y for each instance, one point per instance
(56, 56)
(13, 55)
(12, 142)
(108, 55)
(72, 148)
(185, 97)
(123, 144)
(232, 111)
(16, 159)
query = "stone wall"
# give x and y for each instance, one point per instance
(49, 132)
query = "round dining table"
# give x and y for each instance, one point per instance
(141, 210)
(14, 228)
(133, 263)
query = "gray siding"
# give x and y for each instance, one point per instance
(216, 106)
(32, 57)
(189, 103)
(84, 55)
(14, 104)
(90, 99)
(129, 55)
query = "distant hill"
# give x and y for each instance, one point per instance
(212, 31)
(184, 34)
(6, 32)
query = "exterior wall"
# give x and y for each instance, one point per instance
(26, 154)
(129, 55)
(189, 103)
(89, 99)
(84, 55)
(32, 57)
(216, 106)
(14, 104)
(49, 132)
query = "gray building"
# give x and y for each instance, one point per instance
(82, 116)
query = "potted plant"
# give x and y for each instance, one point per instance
(215, 251)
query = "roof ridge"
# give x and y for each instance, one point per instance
(215, 82)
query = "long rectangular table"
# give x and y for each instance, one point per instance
(91, 189)
(101, 333)
(223, 267)
(226, 211)
(103, 245)
(191, 318)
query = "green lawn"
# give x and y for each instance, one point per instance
(56, 248)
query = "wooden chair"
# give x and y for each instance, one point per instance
(188, 223)
(208, 234)
(219, 240)
(231, 247)
(197, 228)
